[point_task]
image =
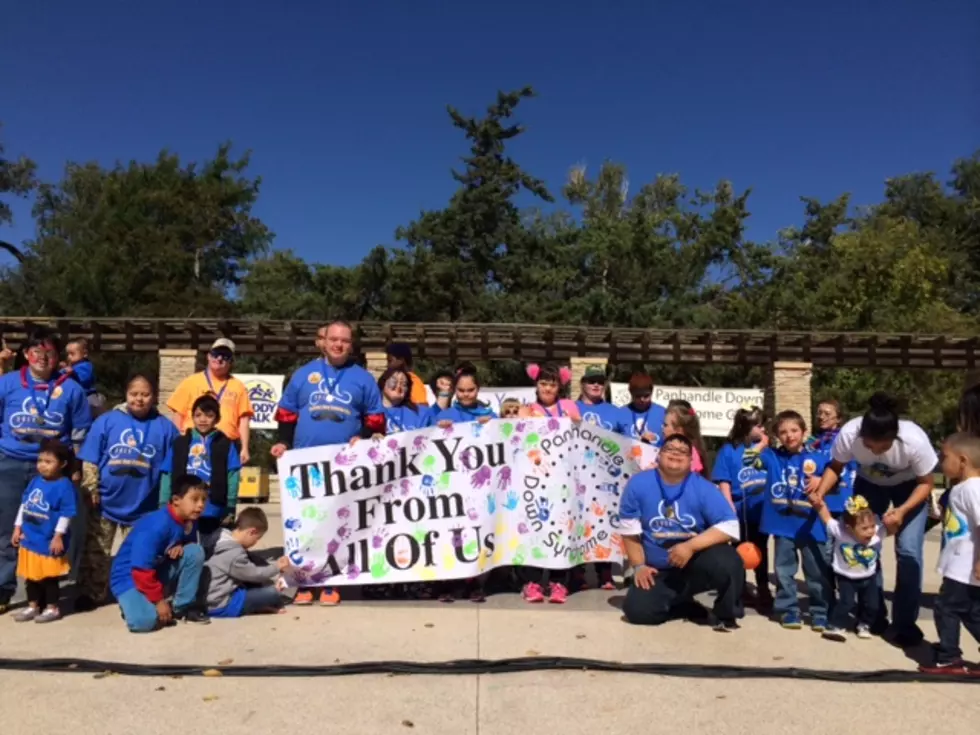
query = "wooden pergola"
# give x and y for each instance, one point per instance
(449, 342)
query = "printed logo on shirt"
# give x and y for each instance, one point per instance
(590, 417)
(751, 480)
(57, 392)
(809, 467)
(314, 378)
(788, 492)
(36, 508)
(29, 425)
(129, 454)
(197, 462)
(858, 555)
(670, 524)
(953, 525)
(879, 470)
(329, 401)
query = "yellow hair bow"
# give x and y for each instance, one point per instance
(747, 407)
(856, 504)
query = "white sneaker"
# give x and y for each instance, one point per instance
(835, 634)
(864, 631)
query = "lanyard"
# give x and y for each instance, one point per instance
(216, 394)
(642, 428)
(547, 411)
(669, 501)
(39, 408)
(333, 384)
(140, 435)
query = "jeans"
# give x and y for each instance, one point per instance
(15, 474)
(816, 574)
(259, 599)
(908, 552)
(183, 574)
(717, 568)
(858, 596)
(957, 603)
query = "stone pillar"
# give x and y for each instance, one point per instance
(789, 389)
(376, 363)
(175, 365)
(578, 366)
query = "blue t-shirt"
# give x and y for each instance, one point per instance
(84, 373)
(129, 453)
(738, 465)
(33, 412)
(199, 465)
(604, 415)
(331, 402)
(666, 515)
(146, 546)
(460, 414)
(44, 503)
(838, 495)
(633, 423)
(402, 418)
(786, 511)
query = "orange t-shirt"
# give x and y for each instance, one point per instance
(418, 396)
(234, 402)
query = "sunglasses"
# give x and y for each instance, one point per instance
(641, 393)
(222, 356)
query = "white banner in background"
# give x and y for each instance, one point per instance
(715, 407)
(453, 503)
(264, 391)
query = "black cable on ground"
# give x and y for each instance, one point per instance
(480, 666)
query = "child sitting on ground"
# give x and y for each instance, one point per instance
(40, 532)
(858, 537)
(160, 553)
(236, 584)
(959, 561)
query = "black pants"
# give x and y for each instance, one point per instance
(957, 603)
(718, 569)
(858, 596)
(43, 592)
(749, 531)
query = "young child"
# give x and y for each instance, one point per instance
(41, 530)
(209, 455)
(237, 585)
(682, 419)
(79, 366)
(510, 408)
(159, 554)
(959, 561)
(857, 539)
(788, 516)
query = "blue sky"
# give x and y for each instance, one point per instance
(343, 103)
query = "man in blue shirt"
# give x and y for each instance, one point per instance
(677, 528)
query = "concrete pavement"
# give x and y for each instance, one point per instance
(565, 702)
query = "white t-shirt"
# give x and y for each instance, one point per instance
(909, 457)
(961, 533)
(851, 558)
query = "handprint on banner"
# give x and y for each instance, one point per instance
(333, 547)
(310, 513)
(538, 553)
(419, 443)
(319, 577)
(506, 428)
(511, 502)
(503, 478)
(457, 539)
(292, 487)
(378, 539)
(448, 559)
(598, 511)
(516, 442)
(418, 533)
(353, 572)
(406, 486)
(343, 513)
(553, 425)
(521, 426)
(523, 529)
(316, 477)
(389, 489)
(545, 507)
(376, 455)
(519, 557)
(343, 532)
(473, 514)
(470, 548)
(428, 485)
(532, 439)
(565, 492)
(481, 478)
(580, 488)
(429, 464)
(292, 549)
(393, 445)
(448, 431)
(379, 566)
(428, 574)
(444, 480)
(590, 455)
(344, 460)
(491, 503)
(483, 560)
(602, 552)
(292, 524)
(588, 530)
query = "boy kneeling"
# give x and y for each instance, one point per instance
(161, 554)
(236, 584)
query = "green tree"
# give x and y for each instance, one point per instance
(17, 177)
(145, 239)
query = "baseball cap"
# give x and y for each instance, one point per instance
(594, 372)
(223, 344)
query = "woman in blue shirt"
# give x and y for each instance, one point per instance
(36, 403)
(401, 414)
(122, 460)
(740, 478)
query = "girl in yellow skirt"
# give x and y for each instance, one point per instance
(40, 532)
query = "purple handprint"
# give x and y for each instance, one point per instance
(377, 541)
(319, 577)
(481, 477)
(520, 427)
(522, 528)
(300, 576)
(503, 478)
(353, 572)
(308, 567)
(579, 488)
(344, 513)
(516, 440)
(333, 547)
(406, 487)
(457, 539)
(375, 455)
(473, 514)
(343, 532)
(393, 445)
(343, 460)
(553, 424)
(448, 431)
(419, 443)
(389, 488)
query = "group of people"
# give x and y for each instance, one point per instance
(170, 485)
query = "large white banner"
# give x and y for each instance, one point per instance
(715, 407)
(264, 391)
(453, 503)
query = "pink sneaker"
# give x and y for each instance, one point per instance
(559, 593)
(532, 592)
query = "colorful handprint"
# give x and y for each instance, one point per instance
(481, 477)
(503, 478)
(511, 501)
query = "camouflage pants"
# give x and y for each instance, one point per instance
(93, 578)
